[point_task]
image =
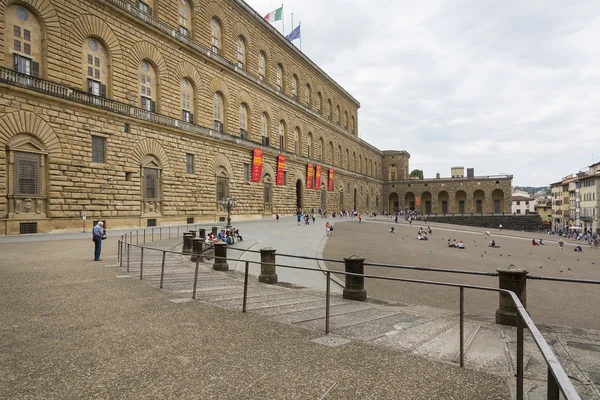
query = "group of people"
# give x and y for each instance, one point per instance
(229, 236)
(459, 245)
(422, 234)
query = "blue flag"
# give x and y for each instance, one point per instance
(295, 34)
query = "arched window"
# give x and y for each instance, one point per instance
(264, 129)
(95, 67)
(218, 112)
(319, 103)
(241, 52)
(279, 77)
(339, 161)
(307, 97)
(309, 146)
(295, 86)
(185, 17)
(281, 136)
(146, 6)
(268, 192)
(352, 124)
(243, 121)
(262, 65)
(393, 172)
(297, 140)
(329, 110)
(216, 36)
(347, 159)
(337, 114)
(187, 101)
(346, 120)
(331, 154)
(354, 161)
(148, 93)
(222, 189)
(22, 41)
(321, 149)
(152, 183)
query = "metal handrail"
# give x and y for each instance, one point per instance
(558, 381)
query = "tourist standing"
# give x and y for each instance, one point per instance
(277, 217)
(561, 244)
(500, 227)
(97, 236)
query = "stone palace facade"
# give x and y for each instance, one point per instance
(150, 112)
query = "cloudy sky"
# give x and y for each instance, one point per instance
(503, 86)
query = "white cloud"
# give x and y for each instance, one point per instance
(506, 86)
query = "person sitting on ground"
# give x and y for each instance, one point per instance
(429, 230)
(461, 245)
(578, 249)
(534, 243)
(487, 233)
(450, 243)
(494, 245)
(454, 243)
(541, 242)
(392, 229)
(418, 236)
(238, 236)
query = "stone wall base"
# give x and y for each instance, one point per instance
(531, 223)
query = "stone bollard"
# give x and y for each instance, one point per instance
(515, 280)
(215, 231)
(220, 251)
(268, 273)
(197, 248)
(193, 233)
(202, 233)
(187, 243)
(355, 285)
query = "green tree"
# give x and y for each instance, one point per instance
(417, 172)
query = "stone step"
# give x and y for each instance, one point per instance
(446, 345)
(348, 319)
(414, 333)
(292, 306)
(488, 352)
(319, 313)
(379, 328)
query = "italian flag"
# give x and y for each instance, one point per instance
(275, 15)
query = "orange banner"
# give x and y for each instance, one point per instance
(417, 202)
(318, 177)
(330, 183)
(309, 176)
(257, 162)
(280, 169)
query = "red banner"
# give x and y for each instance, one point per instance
(318, 177)
(309, 176)
(418, 202)
(330, 183)
(257, 162)
(280, 169)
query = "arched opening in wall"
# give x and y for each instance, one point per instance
(341, 200)
(498, 198)
(426, 203)
(409, 201)
(367, 203)
(443, 201)
(299, 195)
(459, 203)
(355, 208)
(152, 185)
(23, 41)
(377, 202)
(323, 198)
(268, 194)
(479, 201)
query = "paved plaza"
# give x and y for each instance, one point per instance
(80, 329)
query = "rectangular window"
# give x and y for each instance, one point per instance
(28, 173)
(90, 71)
(518, 211)
(97, 62)
(23, 65)
(185, 32)
(247, 171)
(281, 143)
(17, 31)
(189, 163)
(27, 48)
(221, 188)
(26, 35)
(187, 116)
(284, 178)
(267, 193)
(97, 74)
(98, 149)
(90, 59)
(17, 45)
(151, 183)
(144, 7)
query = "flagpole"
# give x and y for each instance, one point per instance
(292, 21)
(282, 20)
(300, 23)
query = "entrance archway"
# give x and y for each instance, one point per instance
(479, 201)
(426, 203)
(498, 199)
(394, 203)
(409, 201)
(443, 201)
(461, 200)
(355, 199)
(299, 195)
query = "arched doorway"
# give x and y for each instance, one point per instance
(355, 200)
(443, 201)
(409, 201)
(323, 197)
(479, 201)
(461, 200)
(298, 195)
(394, 203)
(498, 199)
(426, 203)
(341, 200)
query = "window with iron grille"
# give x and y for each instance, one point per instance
(28, 173)
(222, 188)
(268, 193)
(98, 149)
(27, 227)
(151, 183)
(247, 172)
(189, 163)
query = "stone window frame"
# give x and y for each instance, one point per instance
(34, 66)
(186, 23)
(149, 162)
(280, 81)
(307, 95)
(187, 99)
(216, 35)
(98, 156)
(262, 65)
(242, 46)
(244, 122)
(190, 163)
(295, 86)
(282, 141)
(219, 111)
